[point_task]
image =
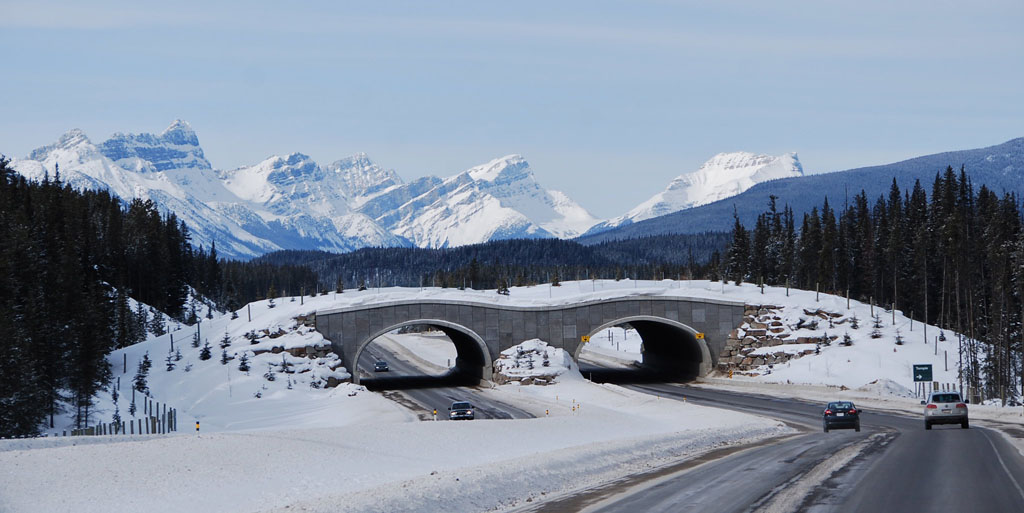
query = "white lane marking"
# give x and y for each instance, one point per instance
(1003, 463)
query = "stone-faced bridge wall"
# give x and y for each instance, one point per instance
(669, 326)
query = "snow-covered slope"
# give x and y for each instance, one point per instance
(725, 175)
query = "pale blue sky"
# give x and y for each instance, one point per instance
(607, 100)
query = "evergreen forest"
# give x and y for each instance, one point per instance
(955, 260)
(69, 261)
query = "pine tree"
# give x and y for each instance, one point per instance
(139, 381)
(195, 339)
(243, 363)
(157, 325)
(205, 352)
(225, 341)
(170, 360)
(738, 255)
(224, 358)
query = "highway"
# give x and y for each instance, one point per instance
(418, 390)
(893, 464)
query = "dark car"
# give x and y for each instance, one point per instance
(381, 366)
(841, 415)
(460, 411)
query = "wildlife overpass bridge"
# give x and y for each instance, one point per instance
(680, 335)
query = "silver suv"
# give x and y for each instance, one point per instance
(945, 408)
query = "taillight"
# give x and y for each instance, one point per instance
(853, 412)
(931, 406)
(828, 412)
(961, 405)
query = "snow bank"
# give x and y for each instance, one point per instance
(593, 433)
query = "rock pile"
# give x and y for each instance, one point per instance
(764, 326)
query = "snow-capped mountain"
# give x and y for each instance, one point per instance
(291, 202)
(282, 203)
(497, 200)
(725, 175)
(83, 165)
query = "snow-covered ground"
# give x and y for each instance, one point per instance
(588, 435)
(293, 443)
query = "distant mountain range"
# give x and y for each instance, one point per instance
(1000, 168)
(292, 202)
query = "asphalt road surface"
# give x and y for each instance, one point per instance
(421, 392)
(893, 464)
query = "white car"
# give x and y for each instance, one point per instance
(945, 408)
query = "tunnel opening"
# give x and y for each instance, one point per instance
(643, 350)
(422, 354)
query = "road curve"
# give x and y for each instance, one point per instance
(893, 464)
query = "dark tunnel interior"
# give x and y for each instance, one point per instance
(466, 370)
(670, 354)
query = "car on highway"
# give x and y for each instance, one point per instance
(381, 366)
(840, 415)
(460, 410)
(945, 408)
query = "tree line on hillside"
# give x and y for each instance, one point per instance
(512, 262)
(955, 260)
(69, 261)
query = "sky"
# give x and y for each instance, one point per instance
(608, 101)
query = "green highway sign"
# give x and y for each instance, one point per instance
(923, 372)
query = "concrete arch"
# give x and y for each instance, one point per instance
(472, 355)
(655, 331)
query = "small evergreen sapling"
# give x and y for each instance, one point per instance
(855, 322)
(139, 381)
(170, 360)
(225, 342)
(195, 339)
(847, 339)
(899, 338)
(243, 363)
(876, 321)
(224, 358)
(204, 354)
